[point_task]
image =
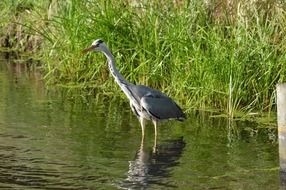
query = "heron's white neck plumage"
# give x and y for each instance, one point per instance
(111, 64)
(120, 80)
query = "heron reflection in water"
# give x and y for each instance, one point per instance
(145, 102)
(150, 167)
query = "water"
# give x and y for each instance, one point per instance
(60, 139)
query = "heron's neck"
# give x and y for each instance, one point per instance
(120, 80)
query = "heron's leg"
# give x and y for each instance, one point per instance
(155, 136)
(142, 123)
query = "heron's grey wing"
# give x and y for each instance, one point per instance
(162, 107)
(138, 91)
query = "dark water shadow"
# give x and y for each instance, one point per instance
(153, 168)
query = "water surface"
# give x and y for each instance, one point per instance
(62, 139)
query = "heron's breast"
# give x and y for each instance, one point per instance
(139, 111)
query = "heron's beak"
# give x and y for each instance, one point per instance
(87, 49)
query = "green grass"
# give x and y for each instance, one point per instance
(199, 55)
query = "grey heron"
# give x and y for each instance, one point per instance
(145, 102)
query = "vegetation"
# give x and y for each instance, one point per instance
(207, 55)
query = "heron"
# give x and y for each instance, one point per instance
(145, 102)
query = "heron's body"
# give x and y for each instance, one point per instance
(153, 105)
(145, 102)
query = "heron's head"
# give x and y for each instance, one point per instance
(97, 45)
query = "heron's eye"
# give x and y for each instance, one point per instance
(95, 45)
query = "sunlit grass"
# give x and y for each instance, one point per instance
(204, 58)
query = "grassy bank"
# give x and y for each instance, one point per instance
(223, 56)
